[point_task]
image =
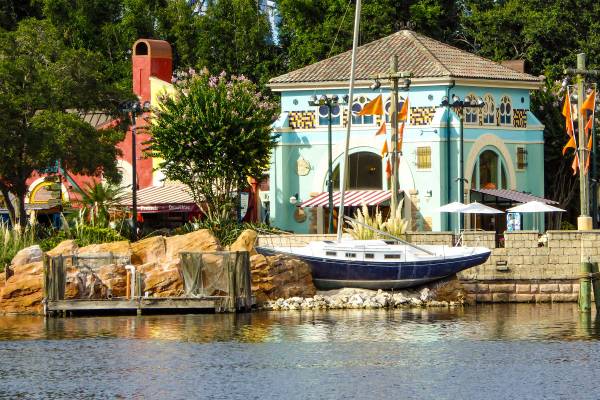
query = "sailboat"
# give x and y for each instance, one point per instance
(376, 264)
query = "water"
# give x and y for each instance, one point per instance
(492, 352)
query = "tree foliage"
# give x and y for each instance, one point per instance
(212, 135)
(43, 84)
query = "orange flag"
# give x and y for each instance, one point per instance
(382, 129)
(384, 150)
(400, 136)
(570, 145)
(566, 112)
(403, 114)
(388, 169)
(575, 164)
(587, 160)
(374, 107)
(589, 102)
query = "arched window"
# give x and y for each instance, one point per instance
(388, 104)
(471, 112)
(324, 115)
(489, 172)
(505, 111)
(357, 106)
(489, 110)
(364, 170)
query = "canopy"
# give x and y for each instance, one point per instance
(352, 198)
(455, 206)
(478, 208)
(534, 206)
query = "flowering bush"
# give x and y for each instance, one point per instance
(211, 135)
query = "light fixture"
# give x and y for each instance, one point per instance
(480, 102)
(455, 99)
(405, 84)
(346, 98)
(467, 101)
(313, 98)
(335, 98)
(294, 199)
(375, 85)
(445, 101)
(323, 98)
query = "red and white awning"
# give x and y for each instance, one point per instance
(352, 198)
(161, 199)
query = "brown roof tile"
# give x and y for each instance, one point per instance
(422, 56)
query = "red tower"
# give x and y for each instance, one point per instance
(150, 58)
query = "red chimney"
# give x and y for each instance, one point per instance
(150, 58)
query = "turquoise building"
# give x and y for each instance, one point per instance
(502, 141)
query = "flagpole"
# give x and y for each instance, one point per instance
(344, 168)
(584, 220)
(593, 178)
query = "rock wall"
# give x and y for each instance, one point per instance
(157, 258)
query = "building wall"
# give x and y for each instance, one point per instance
(303, 139)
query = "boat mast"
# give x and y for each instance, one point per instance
(344, 168)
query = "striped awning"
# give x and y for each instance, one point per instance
(352, 198)
(168, 198)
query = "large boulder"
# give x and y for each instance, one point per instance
(64, 248)
(245, 242)
(280, 277)
(27, 256)
(198, 241)
(22, 293)
(148, 250)
(121, 248)
(162, 280)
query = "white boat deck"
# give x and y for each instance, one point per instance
(379, 251)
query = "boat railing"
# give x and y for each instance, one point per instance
(386, 234)
(281, 239)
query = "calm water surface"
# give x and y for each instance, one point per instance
(483, 352)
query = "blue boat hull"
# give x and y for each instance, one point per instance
(336, 274)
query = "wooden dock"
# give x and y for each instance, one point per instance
(138, 306)
(231, 282)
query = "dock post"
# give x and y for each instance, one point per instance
(596, 285)
(585, 286)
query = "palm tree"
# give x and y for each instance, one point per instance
(98, 200)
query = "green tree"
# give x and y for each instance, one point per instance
(43, 85)
(244, 45)
(212, 135)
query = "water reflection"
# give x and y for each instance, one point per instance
(489, 322)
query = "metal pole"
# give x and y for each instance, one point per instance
(329, 171)
(133, 177)
(394, 126)
(349, 125)
(461, 172)
(594, 176)
(583, 179)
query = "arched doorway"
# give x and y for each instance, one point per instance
(364, 172)
(489, 172)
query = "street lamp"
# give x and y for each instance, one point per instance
(458, 106)
(133, 108)
(330, 102)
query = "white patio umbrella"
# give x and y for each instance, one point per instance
(478, 208)
(455, 206)
(535, 207)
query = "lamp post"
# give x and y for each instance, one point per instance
(330, 102)
(459, 106)
(133, 108)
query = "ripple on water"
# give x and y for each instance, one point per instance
(519, 351)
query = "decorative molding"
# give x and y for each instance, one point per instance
(421, 115)
(520, 118)
(489, 140)
(302, 119)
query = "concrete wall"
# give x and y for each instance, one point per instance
(524, 270)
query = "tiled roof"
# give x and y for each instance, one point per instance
(422, 56)
(168, 194)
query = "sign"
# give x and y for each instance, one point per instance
(244, 200)
(513, 222)
(165, 208)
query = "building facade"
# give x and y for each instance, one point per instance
(502, 141)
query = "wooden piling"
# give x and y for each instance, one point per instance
(596, 285)
(585, 286)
